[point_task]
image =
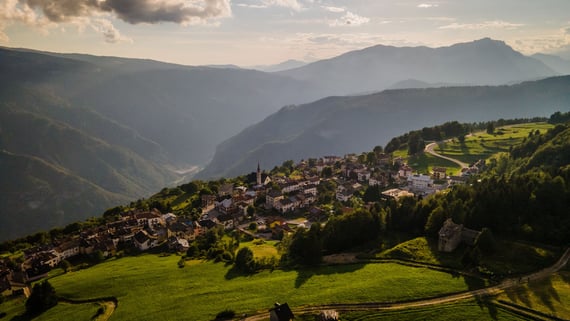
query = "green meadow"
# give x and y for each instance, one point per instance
(481, 145)
(151, 287)
(469, 310)
(261, 248)
(550, 296)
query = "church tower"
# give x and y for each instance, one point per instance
(258, 174)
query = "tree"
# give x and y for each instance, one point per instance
(43, 297)
(435, 221)
(327, 172)
(490, 128)
(244, 260)
(486, 242)
(65, 265)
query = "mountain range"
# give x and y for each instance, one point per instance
(81, 133)
(481, 62)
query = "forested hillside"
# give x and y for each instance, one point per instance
(341, 125)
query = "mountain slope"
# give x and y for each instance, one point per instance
(482, 62)
(117, 126)
(555, 63)
(340, 125)
(38, 195)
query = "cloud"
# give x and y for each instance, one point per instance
(254, 6)
(495, 24)
(109, 32)
(292, 4)
(333, 9)
(132, 11)
(349, 19)
(427, 5)
(44, 14)
(264, 4)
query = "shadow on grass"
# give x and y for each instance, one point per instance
(306, 273)
(545, 291)
(234, 272)
(484, 302)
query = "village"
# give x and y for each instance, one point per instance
(267, 208)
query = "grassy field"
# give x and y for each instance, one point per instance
(471, 310)
(423, 250)
(150, 287)
(423, 163)
(550, 296)
(14, 310)
(481, 145)
(262, 248)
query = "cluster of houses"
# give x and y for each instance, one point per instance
(141, 229)
(148, 229)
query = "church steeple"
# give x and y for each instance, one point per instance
(258, 174)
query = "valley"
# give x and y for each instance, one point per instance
(395, 271)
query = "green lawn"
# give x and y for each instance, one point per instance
(550, 296)
(481, 145)
(423, 163)
(423, 250)
(471, 310)
(150, 287)
(14, 310)
(262, 248)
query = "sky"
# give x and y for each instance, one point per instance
(262, 32)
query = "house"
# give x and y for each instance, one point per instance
(456, 180)
(420, 182)
(451, 234)
(344, 193)
(397, 193)
(153, 217)
(363, 175)
(208, 200)
(207, 224)
(405, 171)
(68, 249)
(227, 221)
(178, 244)
(281, 312)
(181, 230)
(439, 173)
(225, 189)
(272, 197)
(143, 241)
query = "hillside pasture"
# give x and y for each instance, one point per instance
(550, 296)
(482, 145)
(150, 287)
(469, 310)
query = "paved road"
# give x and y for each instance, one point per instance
(429, 149)
(380, 306)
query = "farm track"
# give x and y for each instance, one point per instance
(109, 304)
(429, 149)
(383, 306)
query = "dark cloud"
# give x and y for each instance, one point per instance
(133, 11)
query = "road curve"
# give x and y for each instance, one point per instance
(429, 149)
(382, 306)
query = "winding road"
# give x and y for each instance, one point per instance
(382, 306)
(429, 149)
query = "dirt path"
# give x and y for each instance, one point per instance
(429, 149)
(380, 306)
(109, 305)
